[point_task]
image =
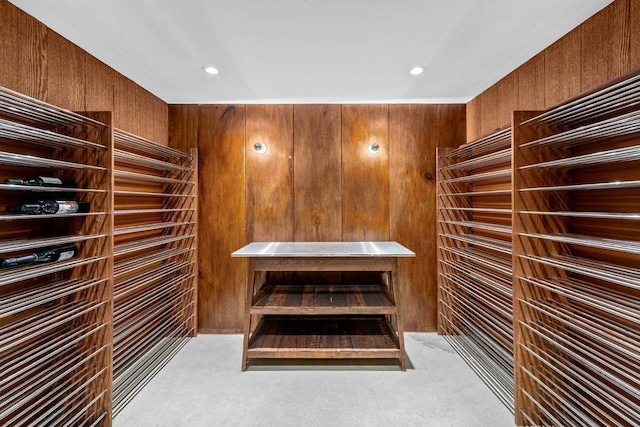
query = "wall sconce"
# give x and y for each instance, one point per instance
(260, 147)
(373, 148)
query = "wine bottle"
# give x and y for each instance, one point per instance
(49, 207)
(49, 254)
(43, 181)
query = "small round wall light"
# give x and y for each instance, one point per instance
(373, 148)
(260, 147)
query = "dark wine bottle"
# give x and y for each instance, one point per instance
(48, 207)
(49, 254)
(43, 181)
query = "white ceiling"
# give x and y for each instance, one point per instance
(313, 51)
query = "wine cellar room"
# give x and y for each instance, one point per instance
(320, 213)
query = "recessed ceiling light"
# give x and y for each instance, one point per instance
(416, 70)
(211, 69)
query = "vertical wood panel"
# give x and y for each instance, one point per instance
(125, 105)
(145, 107)
(66, 82)
(365, 178)
(531, 84)
(160, 121)
(507, 98)
(269, 176)
(414, 133)
(183, 126)
(221, 219)
(489, 108)
(9, 41)
(562, 69)
(317, 171)
(605, 45)
(100, 81)
(634, 35)
(33, 66)
(474, 119)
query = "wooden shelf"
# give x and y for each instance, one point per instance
(334, 337)
(323, 299)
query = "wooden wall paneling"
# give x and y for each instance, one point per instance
(269, 177)
(605, 42)
(160, 121)
(414, 133)
(507, 99)
(183, 126)
(531, 84)
(474, 119)
(145, 107)
(100, 81)
(562, 69)
(33, 57)
(489, 108)
(317, 170)
(634, 35)
(365, 177)
(66, 82)
(9, 40)
(221, 215)
(125, 105)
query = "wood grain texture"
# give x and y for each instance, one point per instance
(365, 177)
(605, 45)
(507, 98)
(145, 107)
(9, 40)
(634, 35)
(183, 126)
(126, 105)
(66, 82)
(269, 177)
(160, 121)
(221, 227)
(474, 119)
(100, 82)
(531, 84)
(489, 108)
(562, 69)
(33, 57)
(317, 171)
(414, 133)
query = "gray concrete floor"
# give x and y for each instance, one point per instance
(203, 386)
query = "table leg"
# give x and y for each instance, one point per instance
(395, 286)
(251, 273)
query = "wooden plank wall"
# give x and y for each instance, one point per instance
(602, 48)
(316, 182)
(38, 62)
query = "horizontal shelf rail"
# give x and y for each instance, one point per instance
(13, 159)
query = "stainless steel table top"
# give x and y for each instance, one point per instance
(323, 249)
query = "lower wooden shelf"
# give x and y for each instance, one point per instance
(324, 337)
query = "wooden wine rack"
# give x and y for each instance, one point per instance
(576, 260)
(55, 319)
(474, 258)
(155, 259)
(80, 337)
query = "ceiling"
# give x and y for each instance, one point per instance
(313, 51)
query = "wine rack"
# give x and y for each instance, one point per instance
(155, 266)
(576, 253)
(474, 258)
(55, 318)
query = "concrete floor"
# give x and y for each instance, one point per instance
(203, 386)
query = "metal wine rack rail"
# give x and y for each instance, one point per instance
(474, 258)
(55, 318)
(576, 259)
(79, 337)
(155, 260)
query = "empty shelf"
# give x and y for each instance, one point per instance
(31, 135)
(137, 143)
(134, 176)
(13, 159)
(626, 154)
(627, 246)
(486, 176)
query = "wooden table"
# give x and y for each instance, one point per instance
(326, 321)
